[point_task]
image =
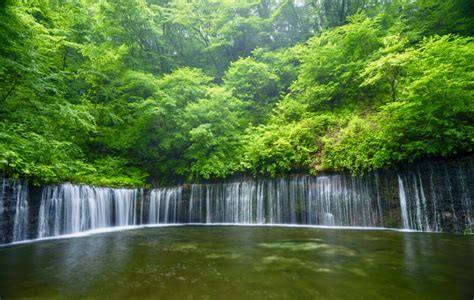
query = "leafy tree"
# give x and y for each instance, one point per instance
(135, 92)
(280, 148)
(156, 139)
(431, 117)
(214, 126)
(253, 82)
(332, 61)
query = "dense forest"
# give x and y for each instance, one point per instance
(138, 92)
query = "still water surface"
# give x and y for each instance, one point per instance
(239, 262)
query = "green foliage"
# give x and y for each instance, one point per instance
(284, 64)
(431, 117)
(279, 148)
(212, 34)
(429, 17)
(214, 126)
(128, 92)
(252, 81)
(112, 171)
(332, 61)
(20, 155)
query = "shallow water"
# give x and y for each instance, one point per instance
(239, 262)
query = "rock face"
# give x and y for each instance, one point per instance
(427, 196)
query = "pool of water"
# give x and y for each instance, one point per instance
(240, 262)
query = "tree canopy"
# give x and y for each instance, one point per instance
(139, 92)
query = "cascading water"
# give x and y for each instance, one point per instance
(328, 200)
(14, 211)
(226, 203)
(125, 206)
(2, 210)
(163, 206)
(68, 208)
(426, 197)
(450, 206)
(20, 224)
(403, 204)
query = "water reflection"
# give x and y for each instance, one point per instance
(67, 263)
(409, 255)
(241, 262)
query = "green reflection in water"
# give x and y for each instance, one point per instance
(215, 262)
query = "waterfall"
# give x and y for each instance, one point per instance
(14, 211)
(69, 208)
(236, 202)
(2, 210)
(466, 196)
(196, 208)
(298, 200)
(438, 199)
(403, 204)
(125, 206)
(260, 203)
(424, 203)
(328, 219)
(20, 225)
(163, 207)
(431, 196)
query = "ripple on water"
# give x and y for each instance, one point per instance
(184, 247)
(323, 248)
(224, 256)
